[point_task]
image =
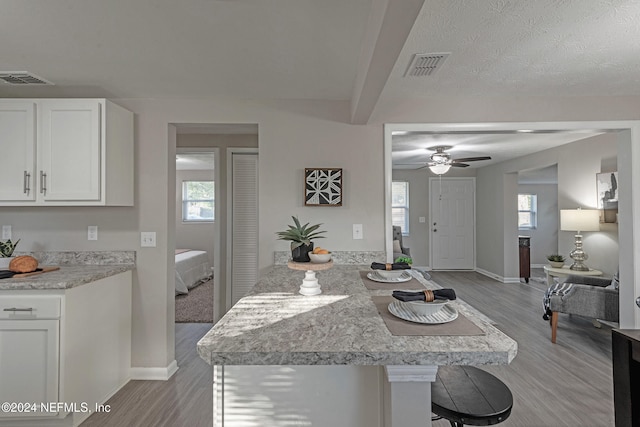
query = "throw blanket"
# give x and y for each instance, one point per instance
(560, 289)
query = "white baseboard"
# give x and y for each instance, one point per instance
(161, 374)
(498, 277)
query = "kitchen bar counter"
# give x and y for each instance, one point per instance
(275, 325)
(69, 276)
(329, 359)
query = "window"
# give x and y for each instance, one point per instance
(197, 201)
(400, 205)
(527, 209)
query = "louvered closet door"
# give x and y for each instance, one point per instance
(244, 264)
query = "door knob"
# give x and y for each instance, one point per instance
(638, 301)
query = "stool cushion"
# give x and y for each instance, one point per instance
(471, 396)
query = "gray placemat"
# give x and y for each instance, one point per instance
(461, 326)
(372, 285)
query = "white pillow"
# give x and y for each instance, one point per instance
(396, 246)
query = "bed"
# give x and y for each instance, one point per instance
(192, 269)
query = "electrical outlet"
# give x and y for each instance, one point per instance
(357, 231)
(92, 232)
(6, 232)
(148, 239)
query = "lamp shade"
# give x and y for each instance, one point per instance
(440, 168)
(579, 220)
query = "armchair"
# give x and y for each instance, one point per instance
(587, 296)
(398, 248)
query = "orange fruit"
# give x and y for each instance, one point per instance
(316, 250)
(323, 252)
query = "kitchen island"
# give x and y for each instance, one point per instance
(281, 358)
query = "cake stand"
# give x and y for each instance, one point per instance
(310, 285)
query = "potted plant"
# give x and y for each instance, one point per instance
(6, 252)
(556, 261)
(405, 259)
(301, 237)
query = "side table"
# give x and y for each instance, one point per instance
(552, 272)
(310, 285)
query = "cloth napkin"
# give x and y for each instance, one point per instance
(448, 294)
(5, 274)
(394, 266)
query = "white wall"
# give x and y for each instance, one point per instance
(193, 235)
(544, 238)
(293, 135)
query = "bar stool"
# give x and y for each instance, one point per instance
(466, 395)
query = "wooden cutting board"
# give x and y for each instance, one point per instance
(33, 273)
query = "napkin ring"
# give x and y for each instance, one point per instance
(388, 266)
(428, 295)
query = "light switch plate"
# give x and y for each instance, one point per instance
(6, 232)
(148, 239)
(92, 232)
(422, 220)
(357, 232)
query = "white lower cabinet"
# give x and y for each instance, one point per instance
(29, 355)
(63, 353)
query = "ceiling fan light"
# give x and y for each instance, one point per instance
(440, 169)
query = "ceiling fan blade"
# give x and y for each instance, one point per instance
(471, 159)
(459, 165)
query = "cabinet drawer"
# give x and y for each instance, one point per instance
(30, 307)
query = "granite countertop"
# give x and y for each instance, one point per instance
(69, 276)
(275, 325)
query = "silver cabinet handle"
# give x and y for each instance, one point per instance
(18, 309)
(43, 182)
(27, 181)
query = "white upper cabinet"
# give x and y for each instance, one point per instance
(17, 150)
(83, 153)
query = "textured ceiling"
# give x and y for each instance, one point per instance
(184, 49)
(410, 149)
(351, 50)
(524, 47)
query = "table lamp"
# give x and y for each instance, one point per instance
(579, 220)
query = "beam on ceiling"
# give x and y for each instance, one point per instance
(390, 23)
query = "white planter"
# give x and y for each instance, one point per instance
(4, 262)
(556, 264)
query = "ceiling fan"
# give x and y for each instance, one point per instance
(441, 161)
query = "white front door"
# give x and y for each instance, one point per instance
(452, 223)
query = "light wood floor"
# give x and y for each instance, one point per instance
(184, 400)
(563, 384)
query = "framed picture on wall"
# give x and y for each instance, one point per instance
(322, 187)
(607, 187)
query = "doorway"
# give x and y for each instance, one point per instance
(195, 231)
(627, 136)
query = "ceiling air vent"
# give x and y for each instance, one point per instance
(22, 78)
(425, 64)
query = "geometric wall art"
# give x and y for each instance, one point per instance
(322, 187)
